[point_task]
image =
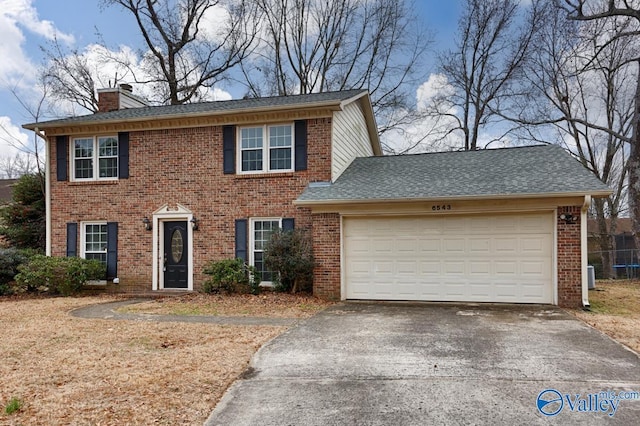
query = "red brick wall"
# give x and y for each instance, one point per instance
(569, 259)
(183, 166)
(326, 250)
(109, 101)
(326, 236)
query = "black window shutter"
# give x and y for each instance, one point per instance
(241, 239)
(62, 148)
(72, 239)
(229, 149)
(112, 250)
(123, 155)
(301, 144)
(288, 224)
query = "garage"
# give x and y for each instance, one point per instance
(498, 225)
(450, 258)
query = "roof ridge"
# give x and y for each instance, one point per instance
(462, 151)
(208, 107)
(264, 98)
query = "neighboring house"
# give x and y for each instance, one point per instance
(6, 190)
(157, 192)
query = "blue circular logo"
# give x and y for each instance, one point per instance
(550, 402)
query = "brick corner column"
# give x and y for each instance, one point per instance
(569, 259)
(326, 250)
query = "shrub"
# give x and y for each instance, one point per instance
(58, 275)
(289, 255)
(231, 275)
(10, 259)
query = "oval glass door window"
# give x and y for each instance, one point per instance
(177, 246)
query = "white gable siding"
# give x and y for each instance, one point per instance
(130, 101)
(349, 139)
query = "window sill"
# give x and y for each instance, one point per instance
(93, 182)
(264, 175)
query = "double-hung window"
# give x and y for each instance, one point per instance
(94, 241)
(261, 231)
(266, 149)
(95, 158)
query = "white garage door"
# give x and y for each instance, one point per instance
(498, 258)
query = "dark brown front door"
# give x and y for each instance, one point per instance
(175, 267)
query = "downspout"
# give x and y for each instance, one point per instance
(583, 250)
(47, 190)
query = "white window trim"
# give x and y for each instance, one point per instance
(96, 159)
(251, 250)
(266, 159)
(83, 232)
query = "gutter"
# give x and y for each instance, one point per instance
(584, 262)
(312, 203)
(47, 190)
(334, 105)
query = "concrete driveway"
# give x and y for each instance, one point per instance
(386, 364)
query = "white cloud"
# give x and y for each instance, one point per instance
(432, 131)
(23, 13)
(107, 65)
(15, 62)
(214, 24)
(436, 88)
(15, 17)
(12, 138)
(217, 94)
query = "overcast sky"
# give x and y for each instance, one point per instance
(26, 25)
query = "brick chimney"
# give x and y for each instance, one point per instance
(115, 98)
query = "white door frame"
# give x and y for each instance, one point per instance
(166, 214)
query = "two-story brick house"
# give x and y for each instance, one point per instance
(157, 192)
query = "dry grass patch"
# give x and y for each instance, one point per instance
(615, 310)
(268, 304)
(66, 370)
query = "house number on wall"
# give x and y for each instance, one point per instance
(440, 207)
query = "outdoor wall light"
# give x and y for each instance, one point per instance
(195, 223)
(568, 218)
(147, 223)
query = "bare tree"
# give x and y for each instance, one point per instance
(31, 155)
(73, 76)
(182, 58)
(312, 46)
(486, 66)
(581, 87)
(12, 167)
(185, 52)
(610, 10)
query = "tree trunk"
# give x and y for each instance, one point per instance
(634, 170)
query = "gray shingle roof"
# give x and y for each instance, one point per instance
(203, 108)
(525, 171)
